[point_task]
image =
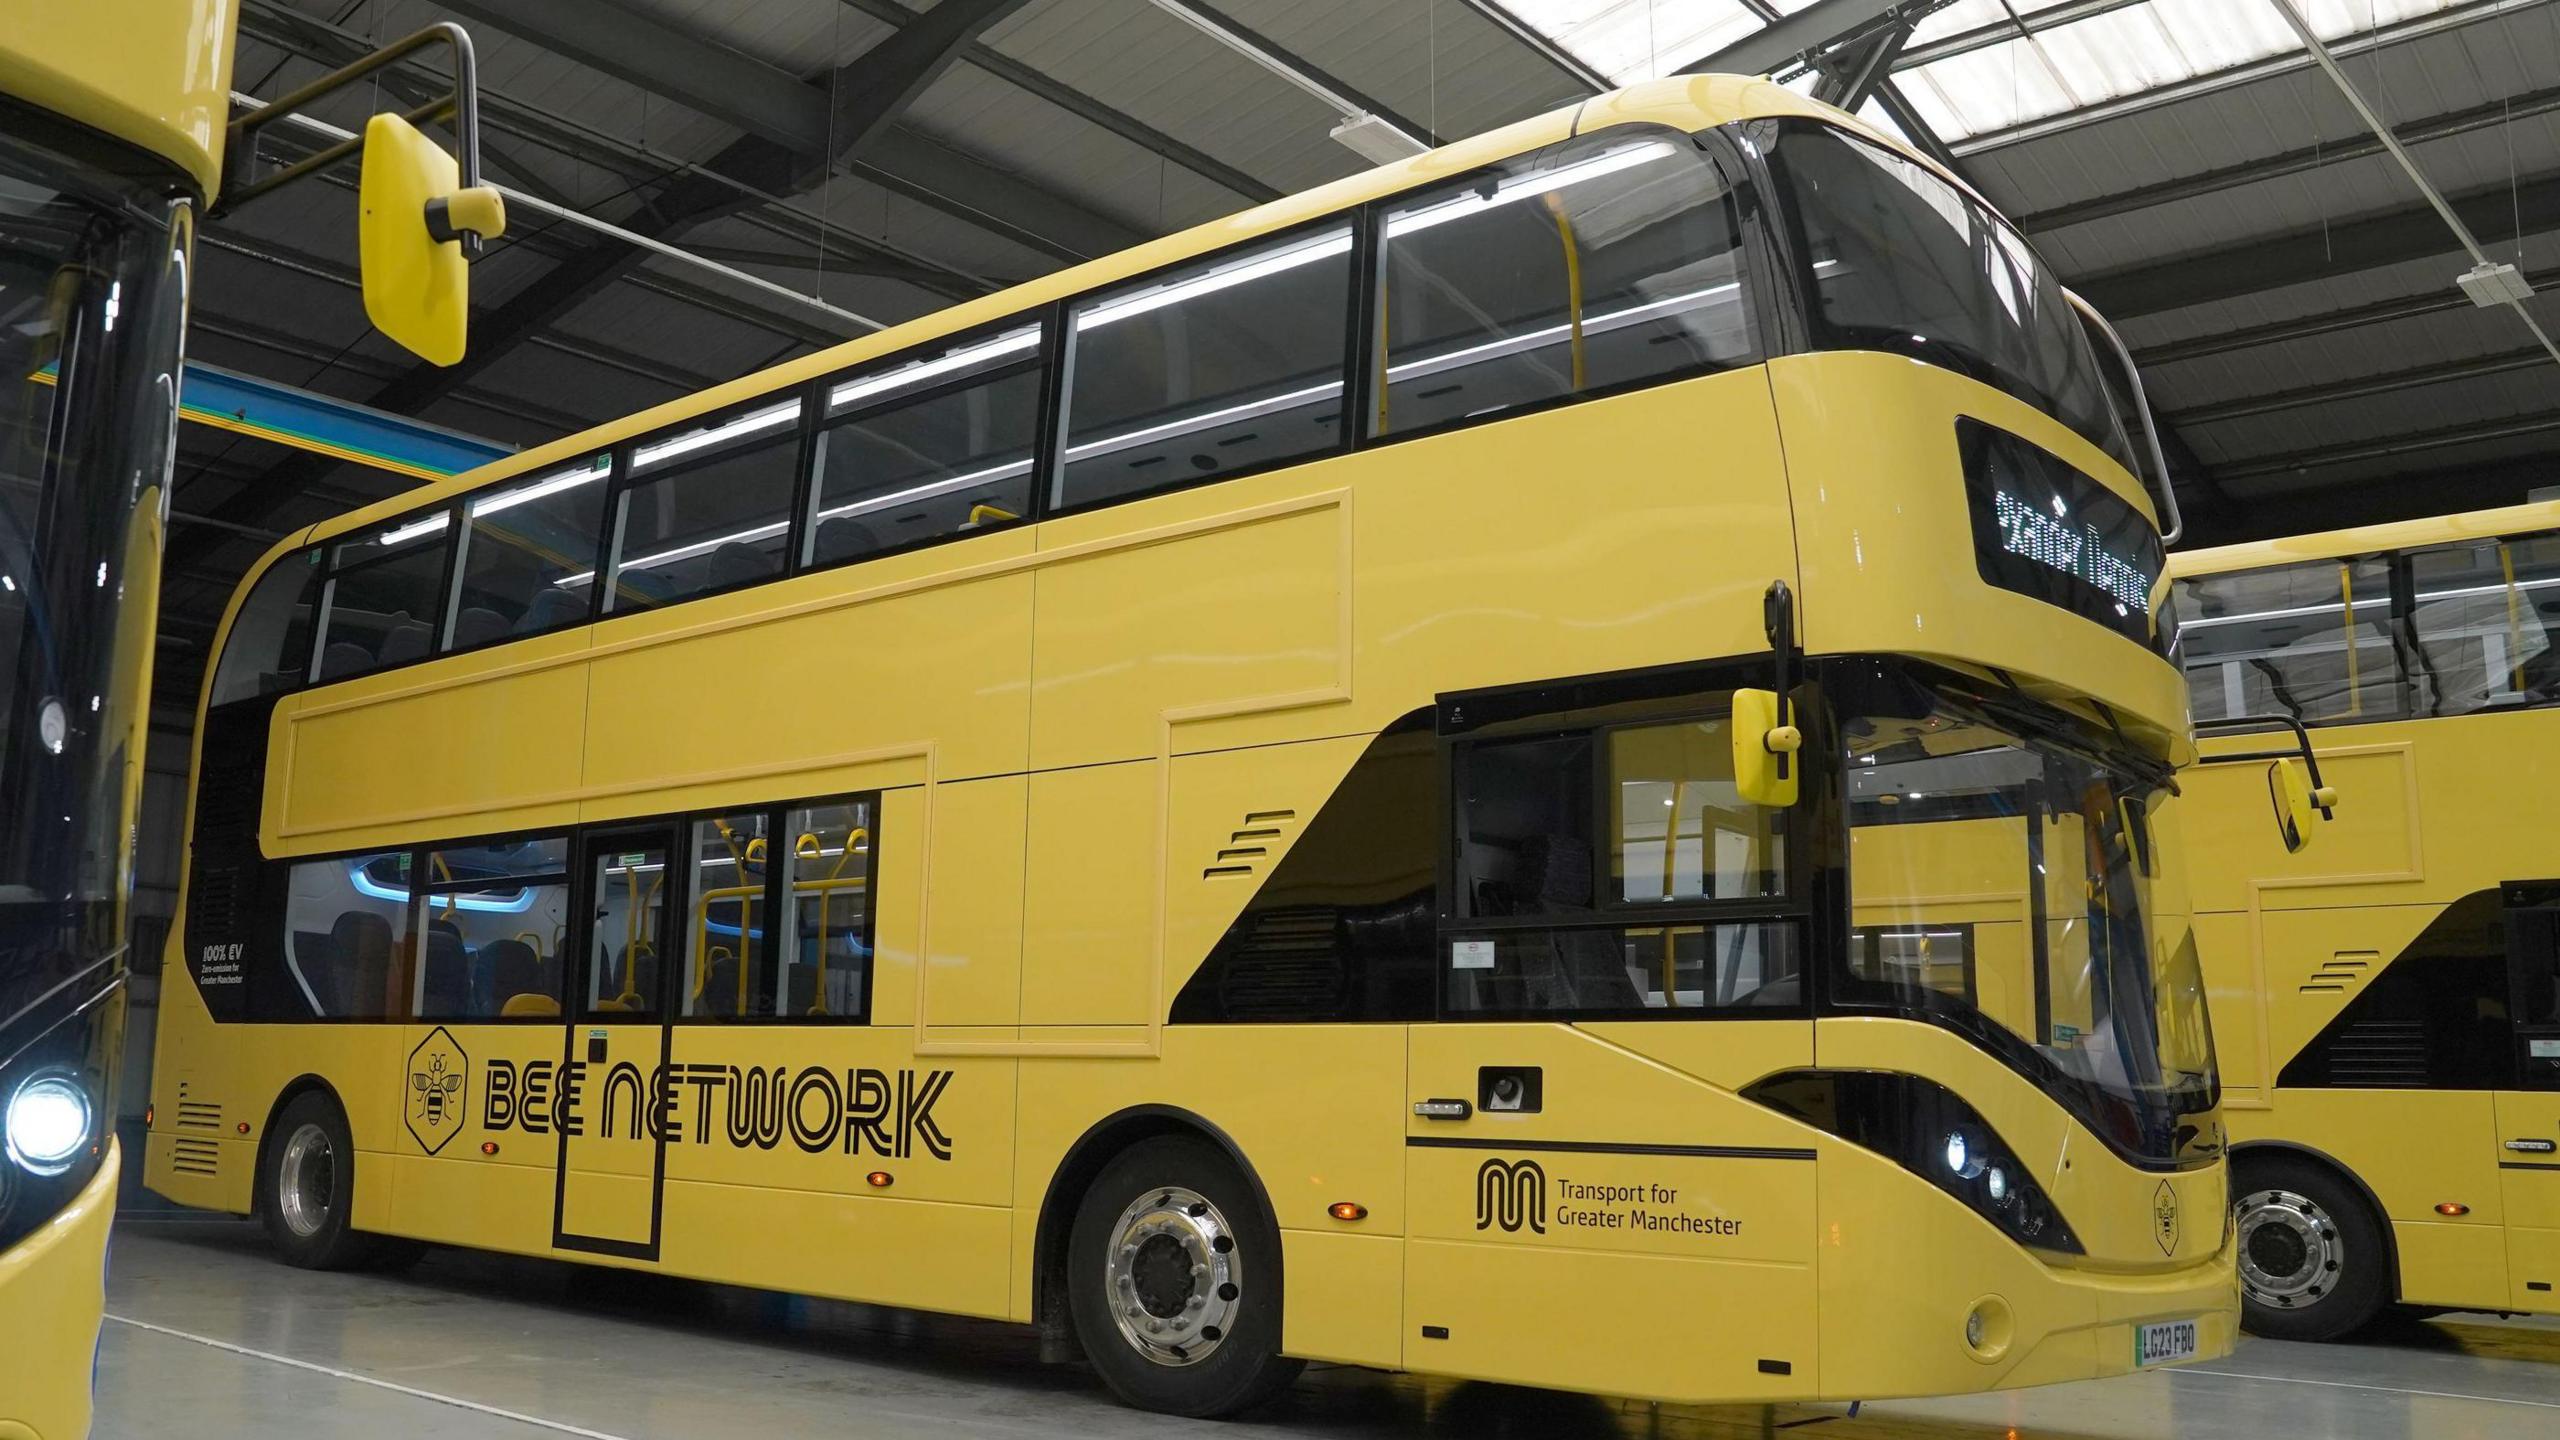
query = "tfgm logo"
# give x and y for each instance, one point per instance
(1511, 1194)
(2164, 1218)
(434, 1102)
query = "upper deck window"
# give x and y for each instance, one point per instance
(269, 648)
(383, 603)
(520, 548)
(2313, 641)
(708, 509)
(1209, 371)
(1578, 269)
(927, 446)
(1905, 263)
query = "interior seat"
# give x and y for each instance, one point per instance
(409, 640)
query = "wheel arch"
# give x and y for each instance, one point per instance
(1076, 1172)
(2355, 1183)
(293, 1089)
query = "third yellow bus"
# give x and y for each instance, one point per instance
(2387, 1001)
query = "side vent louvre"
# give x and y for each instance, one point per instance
(2341, 972)
(1250, 844)
(196, 1114)
(195, 1157)
(227, 798)
(1287, 962)
(2381, 1054)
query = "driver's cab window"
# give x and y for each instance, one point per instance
(1590, 869)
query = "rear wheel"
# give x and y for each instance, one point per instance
(306, 1191)
(1173, 1277)
(2313, 1261)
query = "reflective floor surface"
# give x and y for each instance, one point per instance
(211, 1339)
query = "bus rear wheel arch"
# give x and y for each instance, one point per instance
(306, 1186)
(2315, 1256)
(1173, 1281)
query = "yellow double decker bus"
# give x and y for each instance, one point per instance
(2389, 998)
(1566, 728)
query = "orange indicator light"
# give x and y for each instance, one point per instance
(1349, 1210)
(880, 1179)
(244, 1127)
(488, 1147)
(2453, 1207)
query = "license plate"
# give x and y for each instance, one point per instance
(2163, 1344)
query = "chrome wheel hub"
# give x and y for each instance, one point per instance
(307, 1181)
(2290, 1251)
(1175, 1279)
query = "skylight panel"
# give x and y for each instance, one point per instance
(1632, 40)
(2121, 52)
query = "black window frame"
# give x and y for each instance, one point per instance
(615, 454)
(626, 479)
(1757, 265)
(1668, 696)
(1362, 222)
(331, 569)
(679, 899)
(1043, 361)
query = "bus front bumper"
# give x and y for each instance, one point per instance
(53, 1297)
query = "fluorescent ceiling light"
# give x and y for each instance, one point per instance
(413, 529)
(1522, 187)
(1225, 277)
(1245, 411)
(540, 489)
(752, 423)
(906, 376)
(926, 491)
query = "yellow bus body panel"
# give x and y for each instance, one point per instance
(56, 1281)
(154, 73)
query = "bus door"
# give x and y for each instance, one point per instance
(2529, 1116)
(612, 1155)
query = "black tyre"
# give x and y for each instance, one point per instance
(307, 1188)
(2313, 1261)
(1173, 1279)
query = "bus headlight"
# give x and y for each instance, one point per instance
(1965, 1158)
(1931, 1132)
(46, 1124)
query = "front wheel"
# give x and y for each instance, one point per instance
(2313, 1262)
(1173, 1277)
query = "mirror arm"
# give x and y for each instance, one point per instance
(2302, 751)
(1778, 617)
(461, 105)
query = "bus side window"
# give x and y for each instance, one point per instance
(1211, 371)
(708, 509)
(2312, 641)
(1582, 268)
(2479, 611)
(529, 556)
(496, 917)
(729, 970)
(926, 448)
(385, 597)
(346, 949)
(269, 648)
(827, 905)
(1601, 881)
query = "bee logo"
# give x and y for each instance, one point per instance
(2164, 1218)
(433, 1107)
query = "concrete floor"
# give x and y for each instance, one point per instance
(210, 1338)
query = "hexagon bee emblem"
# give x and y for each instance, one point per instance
(2164, 1218)
(438, 1071)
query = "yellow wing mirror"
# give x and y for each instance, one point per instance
(2294, 786)
(424, 213)
(415, 211)
(2299, 800)
(1765, 768)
